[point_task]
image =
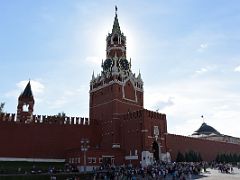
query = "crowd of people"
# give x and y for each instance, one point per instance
(222, 167)
(157, 171)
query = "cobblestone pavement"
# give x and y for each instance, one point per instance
(213, 174)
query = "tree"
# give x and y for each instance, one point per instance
(180, 157)
(217, 158)
(223, 158)
(192, 156)
(230, 158)
(235, 158)
(2, 107)
(187, 158)
(61, 114)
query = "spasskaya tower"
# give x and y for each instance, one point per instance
(116, 90)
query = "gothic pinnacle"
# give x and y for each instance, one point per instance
(116, 27)
(93, 76)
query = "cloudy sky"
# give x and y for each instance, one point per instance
(188, 52)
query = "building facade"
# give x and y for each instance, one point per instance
(118, 131)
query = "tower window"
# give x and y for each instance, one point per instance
(115, 39)
(25, 107)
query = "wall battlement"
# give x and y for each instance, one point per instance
(142, 112)
(133, 115)
(7, 117)
(154, 114)
(44, 119)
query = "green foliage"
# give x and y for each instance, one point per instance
(11, 167)
(61, 114)
(15, 170)
(190, 156)
(2, 104)
(227, 158)
(194, 157)
(187, 158)
(199, 157)
(180, 157)
(48, 176)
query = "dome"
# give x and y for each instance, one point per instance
(206, 130)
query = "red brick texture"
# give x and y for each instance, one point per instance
(207, 148)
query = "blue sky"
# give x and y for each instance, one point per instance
(187, 52)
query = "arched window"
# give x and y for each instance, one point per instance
(26, 107)
(115, 39)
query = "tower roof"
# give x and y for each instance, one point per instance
(116, 27)
(206, 130)
(27, 91)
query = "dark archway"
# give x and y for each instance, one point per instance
(155, 149)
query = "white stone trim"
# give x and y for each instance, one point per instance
(112, 101)
(105, 85)
(114, 146)
(120, 48)
(131, 157)
(115, 81)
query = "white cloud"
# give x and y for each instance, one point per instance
(59, 103)
(93, 60)
(162, 104)
(37, 88)
(68, 97)
(237, 69)
(202, 47)
(201, 71)
(204, 70)
(195, 98)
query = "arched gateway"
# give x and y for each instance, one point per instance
(155, 148)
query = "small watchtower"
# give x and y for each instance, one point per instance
(25, 105)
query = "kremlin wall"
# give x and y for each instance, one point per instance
(46, 137)
(119, 129)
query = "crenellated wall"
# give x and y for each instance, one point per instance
(207, 148)
(45, 119)
(44, 136)
(8, 117)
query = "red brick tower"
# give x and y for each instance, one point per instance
(25, 105)
(116, 90)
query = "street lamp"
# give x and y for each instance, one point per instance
(84, 147)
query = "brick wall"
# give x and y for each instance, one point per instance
(43, 140)
(207, 148)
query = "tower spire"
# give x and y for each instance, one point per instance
(27, 91)
(116, 10)
(116, 27)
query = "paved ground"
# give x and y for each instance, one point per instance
(213, 174)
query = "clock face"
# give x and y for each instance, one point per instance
(124, 64)
(107, 64)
